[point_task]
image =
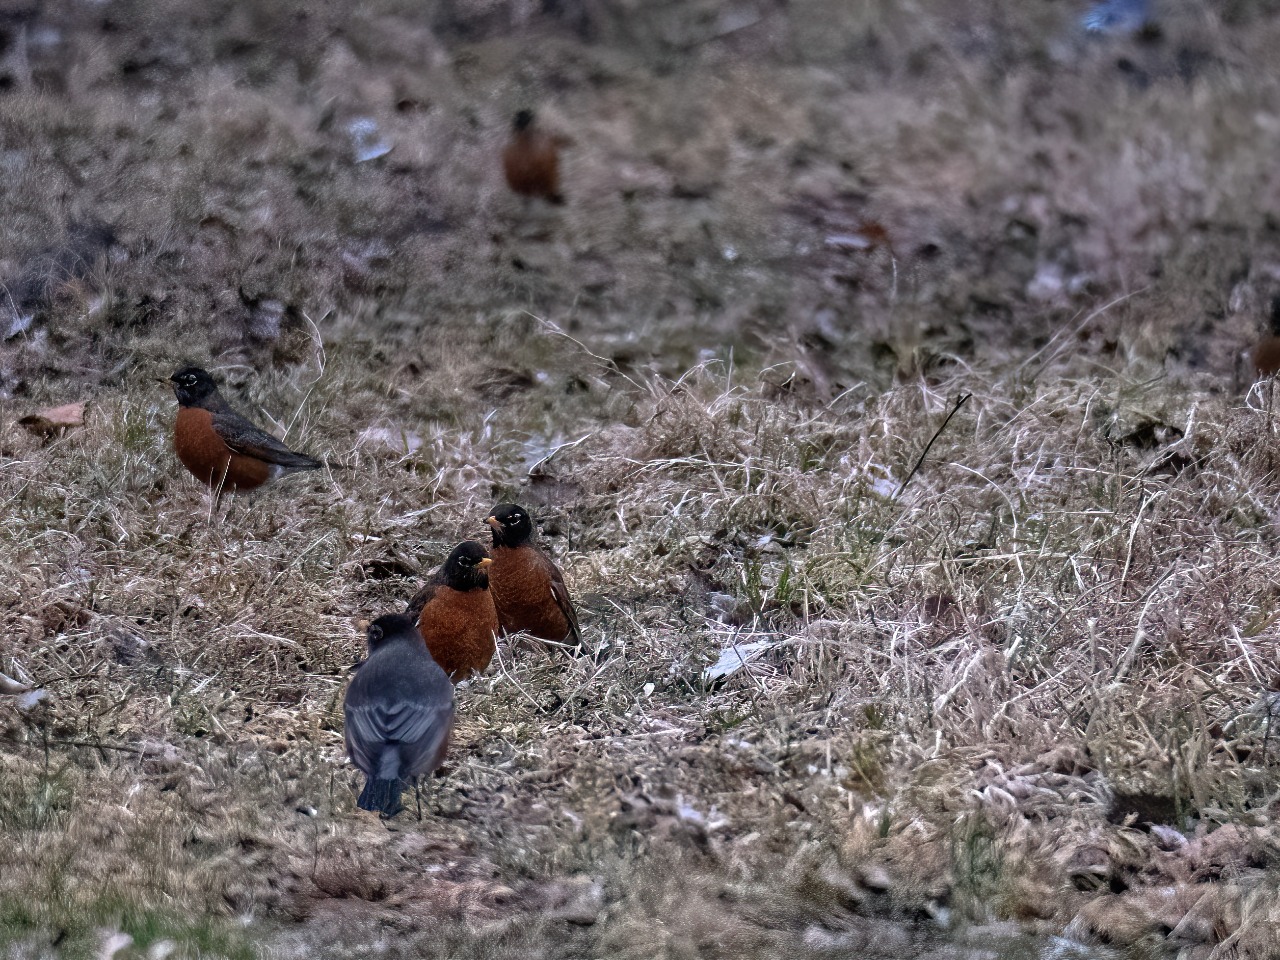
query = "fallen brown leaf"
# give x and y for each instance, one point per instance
(55, 420)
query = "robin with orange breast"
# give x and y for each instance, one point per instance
(1264, 355)
(528, 588)
(531, 160)
(455, 612)
(398, 714)
(219, 446)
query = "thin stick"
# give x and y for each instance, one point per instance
(604, 361)
(85, 743)
(928, 446)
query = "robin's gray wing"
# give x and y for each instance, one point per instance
(424, 596)
(418, 729)
(420, 600)
(424, 754)
(560, 593)
(245, 438)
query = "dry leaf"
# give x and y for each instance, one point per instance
(113, 943)
(869, 235)
(10, 686)
(55, 420)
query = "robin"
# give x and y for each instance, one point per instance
(455, 612)
(1265, 357)
(398, 713)
(531, 160)
(528, 588)
(220, 447)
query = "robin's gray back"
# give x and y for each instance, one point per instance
(244, 437)
(399, 698)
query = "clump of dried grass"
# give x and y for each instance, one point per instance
(970, 692)
(962, 677)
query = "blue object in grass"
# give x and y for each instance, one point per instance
(1116, 17)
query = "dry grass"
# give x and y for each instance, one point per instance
(1016, 701)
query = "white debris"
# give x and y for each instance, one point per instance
(734, 657)
(19, 323)
(1047, 284)
(113, 943)
(29, 700)
(366, 140)
(399, 440)
(848, 241)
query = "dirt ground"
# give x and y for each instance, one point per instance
(897, 346)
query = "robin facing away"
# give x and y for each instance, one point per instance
(528, 588)
(531, 160)
(222, 448)
(455, 612)
(398, 714)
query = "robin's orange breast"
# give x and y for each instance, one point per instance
(459, 628)
(208, 457)
(520, 581)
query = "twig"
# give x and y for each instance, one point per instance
(605, 361)
(960, 401)
(136, 751)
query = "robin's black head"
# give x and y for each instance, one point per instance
(512, 525)
(523, 121)
(191, 385)
(391, 626)
(465, 568)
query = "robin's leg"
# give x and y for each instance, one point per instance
(417, 797)
(218, 489)
(215, 504)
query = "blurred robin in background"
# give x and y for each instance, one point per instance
(398, 712)
(219, 446)
(531, 160)
(455, 612)
(1264, 356)
(528, 588)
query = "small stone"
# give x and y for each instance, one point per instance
(875, 877)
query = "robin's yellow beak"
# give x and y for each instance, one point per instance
(494, 522)
(165, 380)
(485, 562)
(363, 625)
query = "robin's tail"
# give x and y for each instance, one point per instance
(381, 795)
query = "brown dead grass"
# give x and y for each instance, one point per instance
(980, 689)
